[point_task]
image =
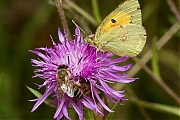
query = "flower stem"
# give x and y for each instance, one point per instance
(174, 9)
(63, 18)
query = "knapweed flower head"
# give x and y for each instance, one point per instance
(82, 60)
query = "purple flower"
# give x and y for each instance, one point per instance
(97, 68)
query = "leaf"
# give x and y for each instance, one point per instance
(155, 59)
(112, 115)
(158, 107)
(38, 94)
(88, 114)
(96, 12)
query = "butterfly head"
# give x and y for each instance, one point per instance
(89, 38)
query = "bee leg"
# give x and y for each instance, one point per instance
(77, 83)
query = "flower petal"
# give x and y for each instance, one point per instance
(101, 102)
(60, 35)
(59, 108)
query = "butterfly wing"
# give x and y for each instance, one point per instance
(127, 12)
(121, 32)
(124, 40)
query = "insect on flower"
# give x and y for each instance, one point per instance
(74, 89)
(65, 84)
(81, 87)
(85, 87)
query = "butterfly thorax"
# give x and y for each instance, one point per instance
(93, 41)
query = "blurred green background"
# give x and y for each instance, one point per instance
(27, 25)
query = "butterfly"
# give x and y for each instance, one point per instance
(121, 32)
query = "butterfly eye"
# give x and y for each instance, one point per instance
(113, 20)
(89, 38)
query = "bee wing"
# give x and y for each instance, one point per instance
(68, 90)
(70, 93)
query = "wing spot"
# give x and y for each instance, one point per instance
(138, 8)
(113, 20)
(124, 38)
(121, 26)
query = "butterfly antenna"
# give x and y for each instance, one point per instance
(79, 27)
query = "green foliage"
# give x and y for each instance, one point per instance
(38, 95)
(158, 107)
(88, 114)
(111, 116)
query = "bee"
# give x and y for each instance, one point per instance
(77, 91)
(85, 86)
(74, 89)
(81, 87)
(65, 84)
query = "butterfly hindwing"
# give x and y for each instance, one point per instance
(125, 40)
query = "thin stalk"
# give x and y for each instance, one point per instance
(63, 18)
(174, 9)
(158, 80)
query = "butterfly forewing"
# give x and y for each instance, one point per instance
(126, 13)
